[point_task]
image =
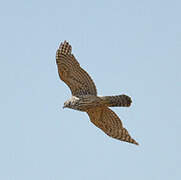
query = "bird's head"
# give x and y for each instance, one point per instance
(67, 104)
(71, 103)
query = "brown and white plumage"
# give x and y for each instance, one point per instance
(78, 80)
(107, 120)
(84, 96)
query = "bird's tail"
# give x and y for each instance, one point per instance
(116, 101)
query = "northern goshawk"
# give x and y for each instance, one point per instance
(84, 96)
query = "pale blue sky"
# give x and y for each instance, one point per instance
(131, 47)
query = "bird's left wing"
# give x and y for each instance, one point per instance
(107, 120)
(78, 80)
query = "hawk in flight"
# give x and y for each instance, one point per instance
(84, 96)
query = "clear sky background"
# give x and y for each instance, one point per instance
(131, 47)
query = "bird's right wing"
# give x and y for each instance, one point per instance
(78, 80)
(107, 120)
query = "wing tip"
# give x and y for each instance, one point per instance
(136, 143)
(65, 48)
(132, 141)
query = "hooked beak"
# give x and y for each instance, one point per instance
(64, 107)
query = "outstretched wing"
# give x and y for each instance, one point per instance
(78, 80)
(105, 119)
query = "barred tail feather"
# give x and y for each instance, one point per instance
(117, 101)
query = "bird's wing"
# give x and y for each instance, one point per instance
(107, 120)
(78, 80)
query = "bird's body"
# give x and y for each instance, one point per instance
(83, 102)
(84, 96)
(86, 102)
